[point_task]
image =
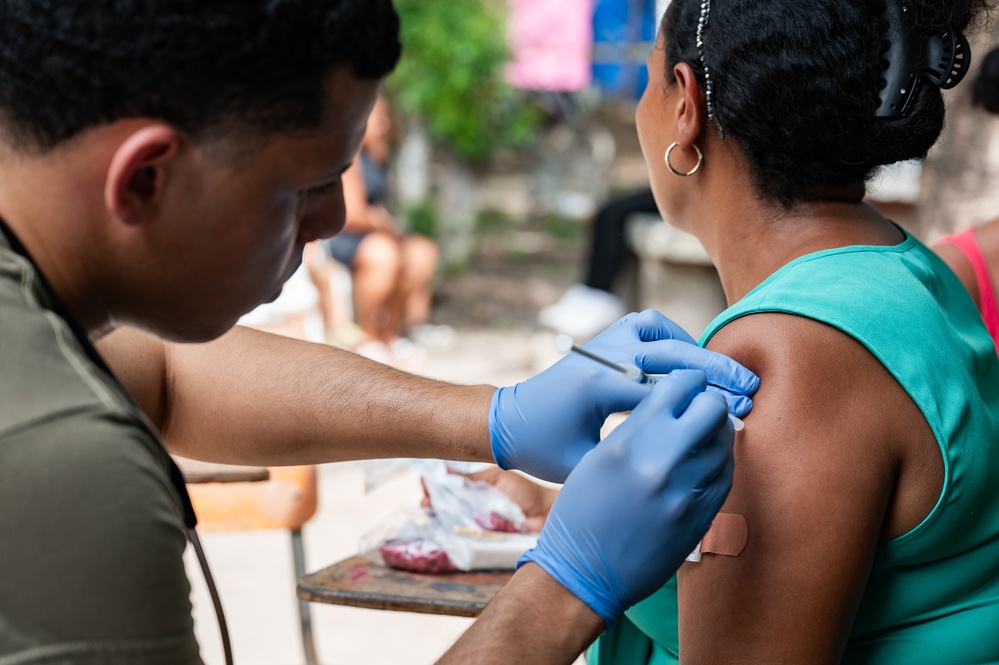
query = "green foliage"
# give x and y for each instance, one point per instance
(495, 223)
(563, 229)
(452, 76)
(423, 218)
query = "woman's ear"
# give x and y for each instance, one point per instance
(138, 171)
(689, 117)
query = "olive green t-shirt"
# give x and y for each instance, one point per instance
(91, 529)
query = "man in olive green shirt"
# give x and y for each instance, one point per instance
(87, 513)
(162, 165)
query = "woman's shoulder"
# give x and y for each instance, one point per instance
(901, 303)
(828, 405)
(865, 319)
(821, 385)
(811, 373)
(806, 357)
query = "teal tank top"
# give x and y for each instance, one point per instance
(933, 593)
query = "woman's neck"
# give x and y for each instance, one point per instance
(750, 241)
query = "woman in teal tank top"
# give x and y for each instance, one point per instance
(866, 473)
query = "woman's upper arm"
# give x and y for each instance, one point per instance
(812, 481)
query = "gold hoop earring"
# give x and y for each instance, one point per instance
(700, 160)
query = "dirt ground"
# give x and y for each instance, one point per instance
(513, 273)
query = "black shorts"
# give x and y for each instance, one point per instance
(343, 247)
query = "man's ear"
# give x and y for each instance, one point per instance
(689, 117)
(137, 173)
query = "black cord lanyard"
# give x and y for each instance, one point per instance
(176, 477)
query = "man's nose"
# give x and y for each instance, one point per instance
(323, 218)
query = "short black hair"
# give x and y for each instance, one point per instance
(796, 82)
(201, 65)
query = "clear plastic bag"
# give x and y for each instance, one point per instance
(472, 526)
(412, 540)
(381, 471)
(466, 506)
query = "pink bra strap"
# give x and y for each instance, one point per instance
(968, 244)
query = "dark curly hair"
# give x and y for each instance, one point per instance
(202, 65)
(986, 90)
(795, 84)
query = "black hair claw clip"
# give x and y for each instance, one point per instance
(908, 59)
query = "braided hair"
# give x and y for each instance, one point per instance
(796, 85)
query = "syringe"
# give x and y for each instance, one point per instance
(565, 344)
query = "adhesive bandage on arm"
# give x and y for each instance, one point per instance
(728, 536)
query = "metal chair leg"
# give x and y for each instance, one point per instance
(308, 644)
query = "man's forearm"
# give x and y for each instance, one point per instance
(533, 620)
(256, 398)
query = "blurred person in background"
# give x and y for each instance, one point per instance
(587, 308)
(973, 254)
(392, 271)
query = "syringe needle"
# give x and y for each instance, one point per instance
(565, 344)
(592, 356)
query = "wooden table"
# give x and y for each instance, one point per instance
(205, 472)
(357, 582)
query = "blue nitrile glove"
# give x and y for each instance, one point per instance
(544, 426)
(638, 503)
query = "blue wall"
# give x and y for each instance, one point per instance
(620, 29)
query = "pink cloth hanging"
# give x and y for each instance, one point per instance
(968, 244)
(551, 42)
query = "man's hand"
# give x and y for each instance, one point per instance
(637, 504)
(546, 424)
